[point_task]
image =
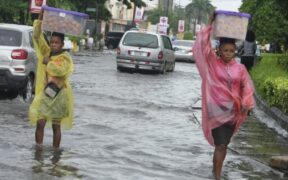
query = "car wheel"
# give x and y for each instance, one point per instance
(163, 70)
(12, 94)
(28, 91)
(119, 68)
(172, 67)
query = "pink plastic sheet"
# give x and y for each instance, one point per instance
(226, 88)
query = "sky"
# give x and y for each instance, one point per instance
(228, 5)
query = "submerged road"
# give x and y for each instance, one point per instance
(131, 126)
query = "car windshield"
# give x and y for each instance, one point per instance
(141, 40)
(10, 37)
(183, 43)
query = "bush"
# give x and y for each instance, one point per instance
(271, 81)
(283, 62)
(188, 36)
(276, 93)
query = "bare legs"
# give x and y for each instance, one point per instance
(56, 135)
(39, 133)
(218, 159)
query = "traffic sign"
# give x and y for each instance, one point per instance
(181, 25)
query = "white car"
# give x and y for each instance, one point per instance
(183, 50)
(145, 50)
(17, 60)
(68, 45)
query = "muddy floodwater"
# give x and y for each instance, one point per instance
(133, 126)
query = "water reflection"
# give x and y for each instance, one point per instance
(48, 162)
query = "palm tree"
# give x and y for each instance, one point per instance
(199, 11)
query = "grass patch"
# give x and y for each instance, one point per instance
(270, 80)
(266, 68)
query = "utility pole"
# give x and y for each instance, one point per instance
(133, 19)
(167, 14)
(167, 7)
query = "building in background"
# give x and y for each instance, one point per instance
(120, 15)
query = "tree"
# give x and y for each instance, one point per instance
(154, 16)
(14, 11)
(199, 10)
(269, 20)
(138, 3)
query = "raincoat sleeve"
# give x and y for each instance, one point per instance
(203, 52)
(39, 39)
(247, 90)
(42, 50)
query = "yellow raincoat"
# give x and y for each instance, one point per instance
(59, 68)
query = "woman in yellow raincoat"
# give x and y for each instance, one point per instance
(53, 102)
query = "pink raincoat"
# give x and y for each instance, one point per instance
(226, 88)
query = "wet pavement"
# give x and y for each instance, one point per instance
(131, 126)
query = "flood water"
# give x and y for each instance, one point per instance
(128, 126)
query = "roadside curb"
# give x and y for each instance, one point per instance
(279, 162)
(274, 112)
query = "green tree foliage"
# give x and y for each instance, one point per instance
(13, 11)
(16, 11)
(199, 10)
(102, 13)
(138, 3)
(173, 16)
(154, 15)
(269, 20)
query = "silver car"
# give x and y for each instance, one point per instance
(145, 50)
(17, 60)
(183, 50)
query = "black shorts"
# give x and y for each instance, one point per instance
(223, 134)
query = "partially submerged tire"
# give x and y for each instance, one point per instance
(172, 67)
(12, 94)
(27, 92)
(163, 70)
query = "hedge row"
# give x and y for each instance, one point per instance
(283, 62)
(276, 92)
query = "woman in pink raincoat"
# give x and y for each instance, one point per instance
(227, 93)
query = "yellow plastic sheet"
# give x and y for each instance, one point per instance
(59, 67)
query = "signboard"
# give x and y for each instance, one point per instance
(139, 14)
(162, 28)
(163, 20)
(35, 5)
(181, 26)
(198, 27)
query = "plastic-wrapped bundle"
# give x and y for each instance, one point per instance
(63, 21)
(231, 24)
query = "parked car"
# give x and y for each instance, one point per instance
(68, 44)
(183, 50)
(17, 60)
(112, 39)
(145, 50)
